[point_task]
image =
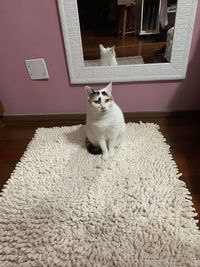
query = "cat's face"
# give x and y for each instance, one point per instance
(107, 56)
(101, 100)
(109, 51)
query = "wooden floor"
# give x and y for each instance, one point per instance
(132, 45)
(182, 134)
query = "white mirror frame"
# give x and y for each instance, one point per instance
(175, 70)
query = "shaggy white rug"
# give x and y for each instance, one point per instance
(65, 207)
(120, 61)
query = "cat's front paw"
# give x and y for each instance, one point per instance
(105, 156)
(111, 152)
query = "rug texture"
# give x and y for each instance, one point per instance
(65, 207)
(120, 61)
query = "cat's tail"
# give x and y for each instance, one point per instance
(95, 150)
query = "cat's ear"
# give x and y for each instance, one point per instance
(109, 88)
(101, 47)
(113, 48)
(89, 91)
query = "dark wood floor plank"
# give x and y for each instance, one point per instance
(5, 171)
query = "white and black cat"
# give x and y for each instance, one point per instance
(105, 126)
(107, 56)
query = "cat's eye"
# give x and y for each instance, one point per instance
(107, 100)
(96, 102)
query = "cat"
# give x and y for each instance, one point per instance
(107, 56)
(105, 126)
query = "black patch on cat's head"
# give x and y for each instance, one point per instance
(99, 99)
(104, 93)
(95, 92)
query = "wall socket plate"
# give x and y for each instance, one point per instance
(37, 69)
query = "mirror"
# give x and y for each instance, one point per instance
(146, 43)
(137, 32)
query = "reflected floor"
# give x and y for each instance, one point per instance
(149, 47)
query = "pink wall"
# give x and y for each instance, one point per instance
(31, 29)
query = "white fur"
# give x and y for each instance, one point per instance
(105, 124)
(107, 56)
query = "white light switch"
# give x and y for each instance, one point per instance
(37, 69)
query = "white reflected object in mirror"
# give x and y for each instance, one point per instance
(168, 50)
(174, 70)
(107, 56)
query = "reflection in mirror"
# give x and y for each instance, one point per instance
(126, 32)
